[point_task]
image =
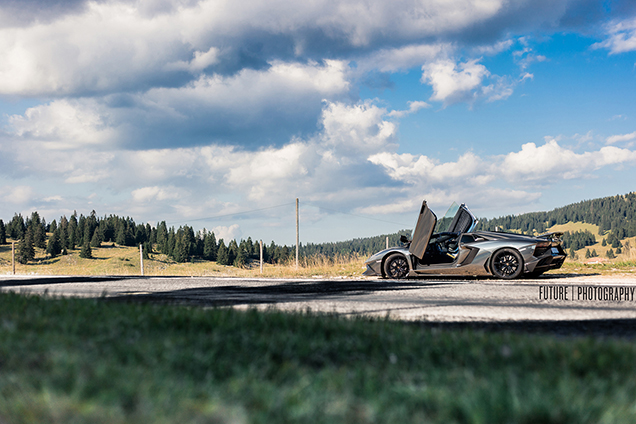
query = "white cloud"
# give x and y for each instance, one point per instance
(148, 194)
(425, 172)
(494, 49)
(403, 58)
(454, 82)
(227, 233)
(357, 129)
(111, 45)
(552, 161)
(64, 124)
(271, 103)
(621, 138)
(621, 37)
(17, 195)
(413, 108)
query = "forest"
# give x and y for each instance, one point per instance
(182, 244)
(615, 216)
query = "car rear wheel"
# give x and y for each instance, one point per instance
(506, 264)
(396, 266)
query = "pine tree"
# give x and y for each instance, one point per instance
(241, 258)
(170, 242)
(573, 254)
(53, 227)
(588, 254)
(81, 231)
(162, 236)
(610, 254)
(96, 240)
(35, 226)
(54, 246)
(209, 247)
(222, 257)
(86, 251)
(232, 252)
(147, 250)
(26, 251)
(120, 235)
(3, 233)
(63, 236)
(181, 247)
(73, 237)
(16, 227)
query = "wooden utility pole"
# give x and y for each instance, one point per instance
(13, 256)
(297, 237)
(387, 242)
(261, 245)
(141, 257)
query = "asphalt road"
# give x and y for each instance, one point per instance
(561, 298)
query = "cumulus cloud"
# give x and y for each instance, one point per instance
(109, 46)
(551, 160)
(474, 178)
(227, 233)
(63, 125)
(79, 47)
(453, 82)
(251, 108)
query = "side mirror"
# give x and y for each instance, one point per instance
(403, 239)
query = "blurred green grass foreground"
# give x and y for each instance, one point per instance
(95, 360)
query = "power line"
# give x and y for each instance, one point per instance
(230, 214)
(358, 216)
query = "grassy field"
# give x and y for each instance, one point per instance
(93, 361)
(120, 260)
(574, 227)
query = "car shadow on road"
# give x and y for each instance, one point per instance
(33, 281)
(288, 291)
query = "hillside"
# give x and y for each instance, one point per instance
(615, 213)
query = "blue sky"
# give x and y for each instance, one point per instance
(194, 112)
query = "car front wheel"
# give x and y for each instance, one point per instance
(506, 264)
(396, 266)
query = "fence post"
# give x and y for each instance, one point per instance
(297, 238)
(387, 242)
(141, 257)
(261, 245)
(13, 256)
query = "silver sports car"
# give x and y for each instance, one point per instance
(451, 247)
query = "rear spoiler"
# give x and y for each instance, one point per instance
(553, 236)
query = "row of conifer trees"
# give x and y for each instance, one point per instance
(87, 232)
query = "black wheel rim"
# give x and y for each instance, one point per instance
(506, 264)
(398, 268)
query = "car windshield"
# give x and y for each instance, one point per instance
(444, 223)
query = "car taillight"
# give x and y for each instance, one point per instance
(541, 248)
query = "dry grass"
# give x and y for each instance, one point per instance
(576, 226)
(118, 260)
